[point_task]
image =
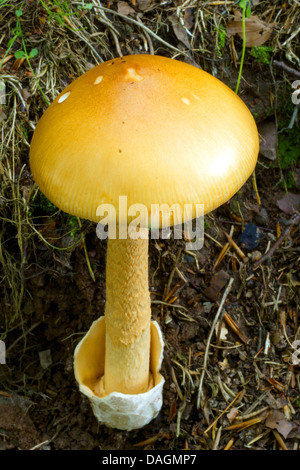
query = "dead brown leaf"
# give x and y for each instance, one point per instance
(142, 4)
(49, 231)
(179, 30)
(289, 203)
(268, 139)
(232, 414)
(218, 281)
(277, 420)
(18, 63)
(125, 9)
(257, 31)
(25, 93)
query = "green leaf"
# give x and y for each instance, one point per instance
(18, 13)
(33, 53)
(246, 6)
(16, 32)
(248, 10)
(10, 42)
(19, 54)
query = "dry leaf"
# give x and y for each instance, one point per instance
(277, 420)
(142, 4)
(45, 358)
(257, 31)
(49, 231)
(18, 63)
(125, 9)
(179, 31)
(290, 203)
(189, 18)
(232, 414)
(223, 331)
(25, 93)
(268, 139)
(218, 281)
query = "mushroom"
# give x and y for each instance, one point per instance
(154, 131)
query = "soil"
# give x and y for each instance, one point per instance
(250, 373)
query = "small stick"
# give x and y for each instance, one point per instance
(280, 440)
(254, 405)
(254, 183)
(151, 48)
(224, 411)
(236, 247)
(288, 69)
(245, 424)
(6, 59)
(217, 440)
(209, 339)
(85, 251)
(278, 242)
(173, 290)
(231, 323)
(251, 415)
(229, 444)
(131, 20)
(224, 250)
(172, 274)
(160, 302)
(221, 255)
(176, 384)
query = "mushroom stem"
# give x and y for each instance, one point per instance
(127, 317)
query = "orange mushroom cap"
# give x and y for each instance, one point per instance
(153, 129)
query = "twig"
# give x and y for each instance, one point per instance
(169, 305)
(288, 69)
(151, 48)
(236, 247)
(217, 440)
(229, 444)
(255, 404)
(278, 242)
(177, 385)
(279, 440)
(224, 411)
(245, 424)
(254, 184)
(243, 49)
(231, 323)
(245, 417)
(209, 339)
(85, 251)
(173, 271)
(148, 30)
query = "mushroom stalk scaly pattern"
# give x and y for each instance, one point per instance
(127, 318)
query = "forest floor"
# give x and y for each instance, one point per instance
(52, 275)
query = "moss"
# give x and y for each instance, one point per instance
(206, 224)
(221, 38)
(73, 225)
(288, 148)
(262, 54)
(43, 204)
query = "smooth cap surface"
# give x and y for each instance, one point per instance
(148, 128)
